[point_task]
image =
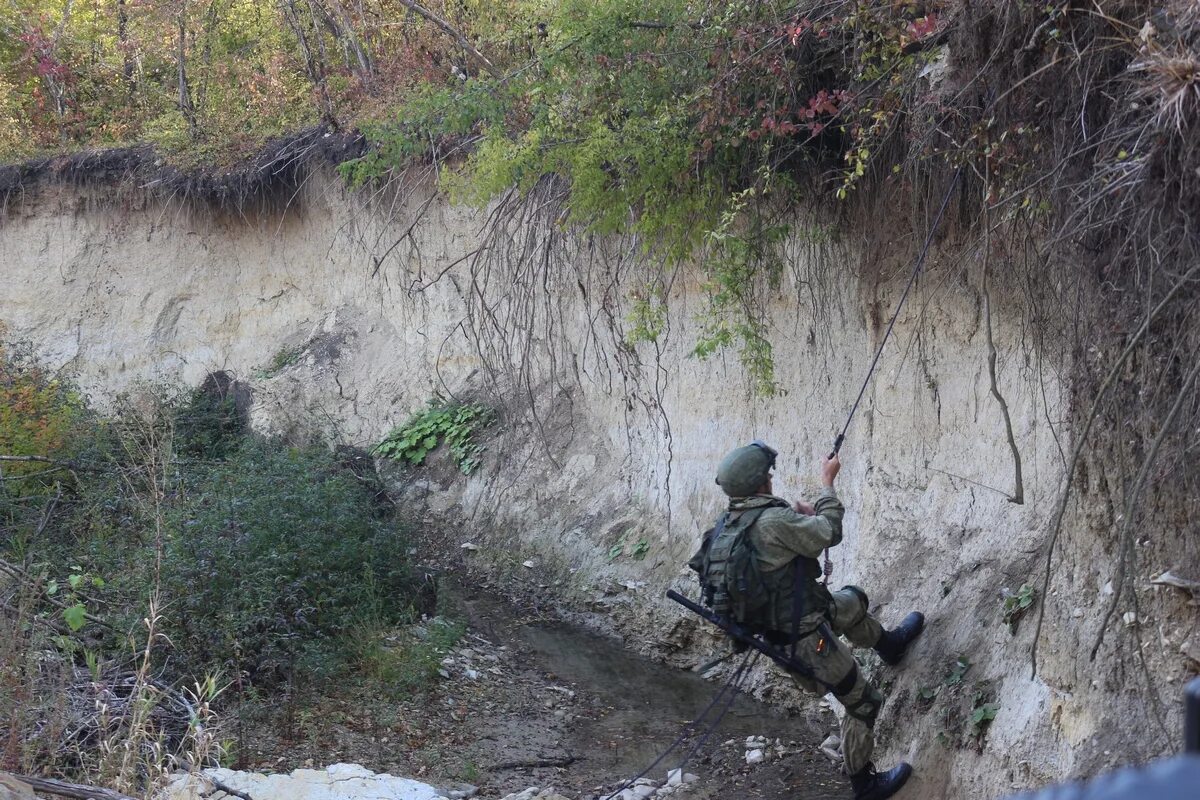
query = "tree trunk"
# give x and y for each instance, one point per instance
(313, 66)
(123, 44)
(341, 26)
(450, 30)
(185, 99)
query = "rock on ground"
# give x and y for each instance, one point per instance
(536, 793)
(337, 782)
(13, 789)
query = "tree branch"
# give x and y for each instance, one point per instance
(454, 33)
(1018, 495)
(76, 790)
(1126, 538)
(227, 789)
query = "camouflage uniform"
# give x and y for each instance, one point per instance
(781, 536)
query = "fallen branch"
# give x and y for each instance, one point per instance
(228, 790)
(77, 790)
(69, 465)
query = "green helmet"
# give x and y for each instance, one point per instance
(742, 471)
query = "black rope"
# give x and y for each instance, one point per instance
(728, 705)
(733, 682)
(841, 437)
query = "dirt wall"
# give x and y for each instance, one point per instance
(346, 317)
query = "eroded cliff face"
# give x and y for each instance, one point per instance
(604, 444)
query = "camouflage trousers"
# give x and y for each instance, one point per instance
(833, 664)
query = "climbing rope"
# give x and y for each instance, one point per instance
(728, 705)
(937, 221)
(841, 437)
(734, 682)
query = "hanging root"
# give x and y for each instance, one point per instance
(1081, 442)
(1127, 538)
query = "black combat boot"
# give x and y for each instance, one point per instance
(871, 785)
(893, 643)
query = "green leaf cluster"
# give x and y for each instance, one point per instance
(456, 424)
(958, 671)
(648, 128)
(1017, 604)
(983, 713)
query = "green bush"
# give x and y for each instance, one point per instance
(208, 424)
(277, 553)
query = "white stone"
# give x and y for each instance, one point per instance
(528, 794)
(337, 782)
(13, 789)
(755, 756)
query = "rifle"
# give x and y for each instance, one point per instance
(745, 636)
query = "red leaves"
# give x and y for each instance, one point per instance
(920, 28)
(797, 29)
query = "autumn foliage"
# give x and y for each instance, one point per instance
(39, 416)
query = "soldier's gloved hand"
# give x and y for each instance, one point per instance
(737, 645)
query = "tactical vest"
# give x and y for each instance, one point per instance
(735, 587)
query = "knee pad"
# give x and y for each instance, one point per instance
(866, 601)
(867, 709)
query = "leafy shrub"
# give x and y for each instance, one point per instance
(1016, 604)
(277, 553)
(208, 422)
(40, 416)
(451, 422)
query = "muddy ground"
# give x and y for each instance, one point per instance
(524, 699)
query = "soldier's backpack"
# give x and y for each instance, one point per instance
(732, 585)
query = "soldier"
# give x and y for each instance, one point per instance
(767, 580)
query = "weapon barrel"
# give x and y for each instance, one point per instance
(742, 635)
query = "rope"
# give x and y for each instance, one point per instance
(728, 705)
(733, 682)
(841, 437)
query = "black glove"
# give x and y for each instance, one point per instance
(738, 646)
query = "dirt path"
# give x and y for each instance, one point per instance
(525, 701)
(604, 714)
